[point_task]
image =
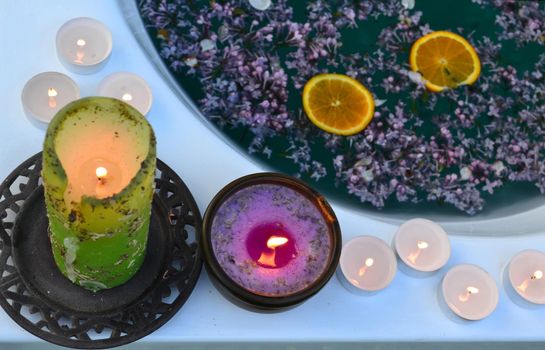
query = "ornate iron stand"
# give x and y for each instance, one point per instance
(40, 299)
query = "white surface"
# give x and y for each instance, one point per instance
(408, 310)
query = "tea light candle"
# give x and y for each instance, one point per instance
(84, 45)
(470, 292)
(368, 263)
(98, 174)
(270, 241)
(46, 93)
(526, 275)
(129, 88)
(422, 244)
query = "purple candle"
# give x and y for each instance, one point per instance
(271, 236)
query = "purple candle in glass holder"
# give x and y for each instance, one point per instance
(270, 241)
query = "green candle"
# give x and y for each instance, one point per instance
(98, 173)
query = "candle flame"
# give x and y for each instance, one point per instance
(51, 93)
(80, 51)
(414, 255)
(276, 241)
(469, 291)
(126, 97)
(268, 258)
(368, 263)
(524, 285)
(101, 172)
(422, 244)
(472, 290)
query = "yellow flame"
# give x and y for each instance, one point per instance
(268, 258)
(101, 172)
(81, 42)
(276, 241)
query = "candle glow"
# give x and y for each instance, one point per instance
(126, 97)
(268, 258)
(535, 276)
(368, 263)
(421, 245)
(469, 290)
(101, 173)
(51, 93)
(129, 88)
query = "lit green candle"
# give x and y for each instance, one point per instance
(98, 173)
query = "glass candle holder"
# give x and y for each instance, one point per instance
(270, 242)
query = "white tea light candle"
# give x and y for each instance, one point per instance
(84, 45)
(422, 244)
(129, 88)
(368, 263)
(526, 275)
(470, 292)
(46, 93)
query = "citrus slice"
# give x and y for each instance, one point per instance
(445, 60)
(338, 104)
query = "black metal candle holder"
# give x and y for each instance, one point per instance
(238, 294)
(41, 300)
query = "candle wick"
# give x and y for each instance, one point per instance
(469, 291)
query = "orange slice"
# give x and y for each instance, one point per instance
(445, 60)
(338, 104)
